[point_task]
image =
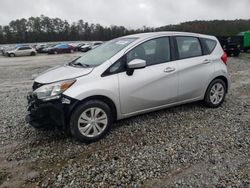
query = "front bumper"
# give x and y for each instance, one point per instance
(50, 113)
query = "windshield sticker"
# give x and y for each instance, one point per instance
(122, 42)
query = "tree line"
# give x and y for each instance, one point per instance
(45, 29)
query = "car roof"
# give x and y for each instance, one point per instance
(162, 33)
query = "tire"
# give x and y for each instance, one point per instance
(32, 53)
(215, 93)
(71, 51)
(55, 52)
(81, 117)
(12, 55)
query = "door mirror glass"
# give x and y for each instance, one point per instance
(137, 64)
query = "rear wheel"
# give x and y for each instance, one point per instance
(91, 121)
(32, 53)
(215, 93)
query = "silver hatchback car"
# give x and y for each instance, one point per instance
(21, 51)
(128, 76)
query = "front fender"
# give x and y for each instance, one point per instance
(86, 87)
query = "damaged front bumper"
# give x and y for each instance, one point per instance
(55, 112)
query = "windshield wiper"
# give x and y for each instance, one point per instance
(78, 64)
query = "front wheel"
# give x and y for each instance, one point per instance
(12, 55)
(91, 121)
(215, 93)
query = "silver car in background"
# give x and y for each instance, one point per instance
(128, 76)
(21, 51)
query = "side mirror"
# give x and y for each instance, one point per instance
(135, 64)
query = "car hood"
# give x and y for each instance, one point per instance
(60, 73)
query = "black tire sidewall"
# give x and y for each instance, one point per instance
(79, 110)
(207, 95)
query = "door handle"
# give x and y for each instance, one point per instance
(206, 61)
(169, 69)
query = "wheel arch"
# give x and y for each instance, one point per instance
(102, 98)
(223, 78)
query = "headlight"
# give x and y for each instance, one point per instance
(52, 91)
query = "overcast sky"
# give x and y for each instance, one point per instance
(129, 13)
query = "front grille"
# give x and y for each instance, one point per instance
(36, 85)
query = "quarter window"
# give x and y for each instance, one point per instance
(154, 51)
(210, 44)
(188, 47)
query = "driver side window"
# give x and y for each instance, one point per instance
(154, 51)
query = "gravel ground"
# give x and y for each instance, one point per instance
(184, 146)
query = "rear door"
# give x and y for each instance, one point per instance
(194, 67)
(27, 50)
(153, 86)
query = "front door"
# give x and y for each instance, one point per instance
(153, 86)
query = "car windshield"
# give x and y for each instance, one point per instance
(104, 52)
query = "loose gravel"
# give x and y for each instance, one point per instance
(184, 146)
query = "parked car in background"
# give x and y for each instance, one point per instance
(21, 51)
(89, 46)
(61, 48)
(47, 48)
(78, 47)
(128, 76)
(40, 47)
(231, 44)
(96, 44)
(75, 44)
(7, 48)
(86, 47)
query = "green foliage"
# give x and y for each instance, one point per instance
(45, 29)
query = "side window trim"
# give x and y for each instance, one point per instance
(173, 56)
(177, 51)
(204, 47)
(170, 46)
(174, 49)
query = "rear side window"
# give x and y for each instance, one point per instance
(210, 45)
(188, 47)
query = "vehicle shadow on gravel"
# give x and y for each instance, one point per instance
(55, 134)
(190, 107)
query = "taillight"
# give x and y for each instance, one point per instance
(224, 58)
